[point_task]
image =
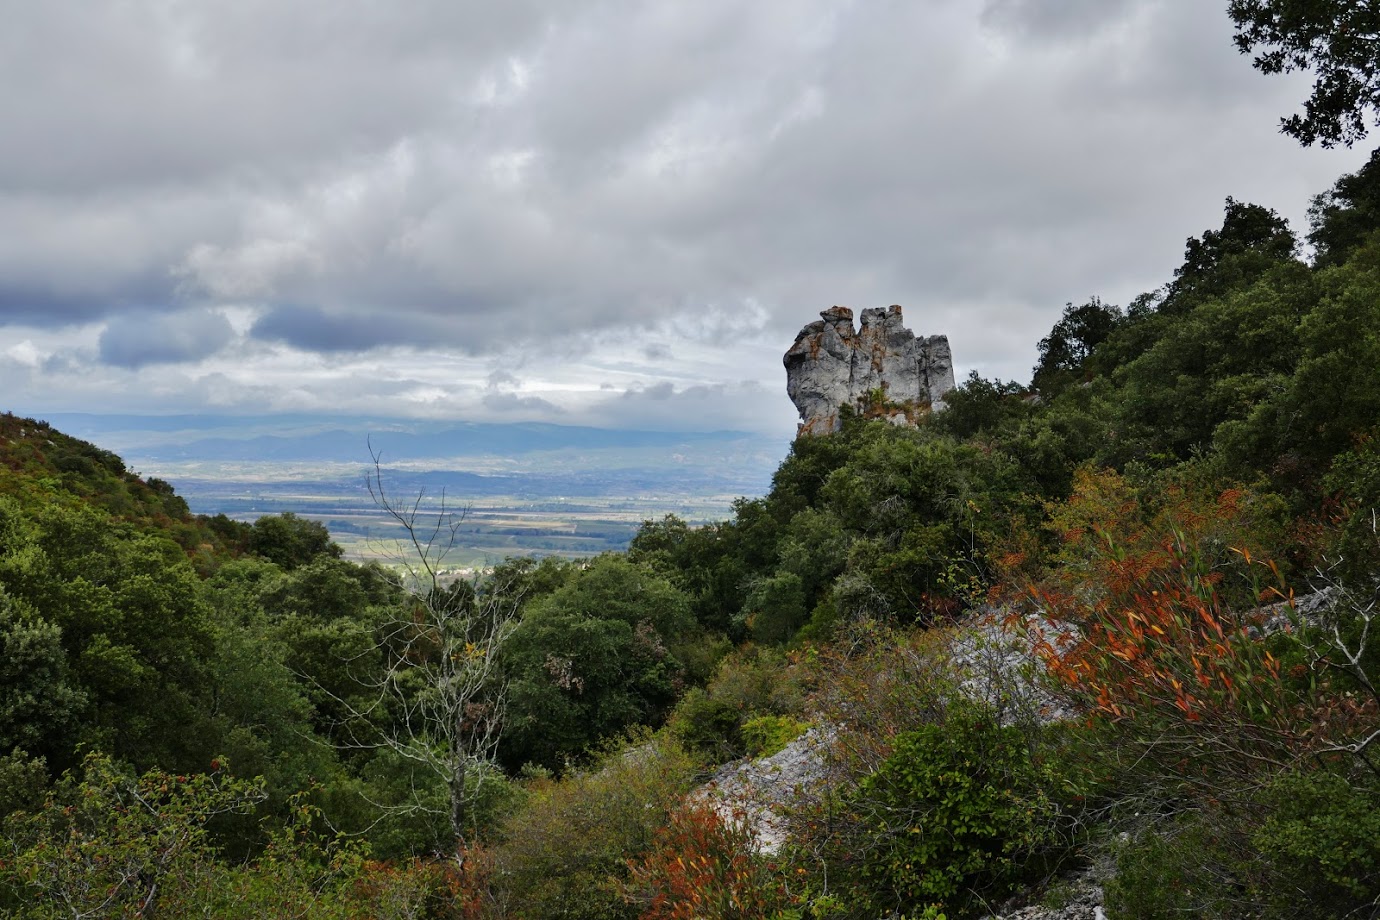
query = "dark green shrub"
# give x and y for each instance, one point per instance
(776, 608)
(1167, 874)
(1355, 479)
(291, 541)
(709, 726)
(1306, 847)
(592, 659)
(1322, 840)
(951, 819)
(749, 683)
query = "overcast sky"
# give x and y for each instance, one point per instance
(610, 213)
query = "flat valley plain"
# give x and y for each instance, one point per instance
(509, 490)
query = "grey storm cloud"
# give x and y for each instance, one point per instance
(151, 94)
(657, 391)
(727, 405)
(317, 329)
(511, 402)
(44, 305)
(139, 338)
(499, 379)
(536, 175)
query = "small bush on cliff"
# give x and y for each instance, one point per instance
(1322, 843)
(750, 684)
(951, 818)
(1167, 873)
(1304, 847)
(767, 735)
(564, 854)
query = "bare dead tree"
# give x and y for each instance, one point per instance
(439, 700)
(1339, 635)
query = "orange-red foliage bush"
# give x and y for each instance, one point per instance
(445, 889)
(1142, 634)
(701, 867)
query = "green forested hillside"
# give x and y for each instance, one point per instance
(46, 466)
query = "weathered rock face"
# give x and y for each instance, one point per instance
(882, 370)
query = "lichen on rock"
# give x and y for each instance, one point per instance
(882, 370)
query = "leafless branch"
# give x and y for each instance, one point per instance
(439, 700)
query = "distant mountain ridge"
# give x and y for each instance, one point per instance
(330, 438)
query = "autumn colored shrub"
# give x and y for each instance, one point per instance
(1142, 635)
(1111, 517)
(1160, 649)
(436, 889)
(1247, 740)
(703, 867)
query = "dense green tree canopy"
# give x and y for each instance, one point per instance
(1345, 215)
(598, 655)
(1070, 343)
(290, 541)
(1251, 241)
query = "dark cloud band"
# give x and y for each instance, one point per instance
(141, 338)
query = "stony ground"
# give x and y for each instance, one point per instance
(1078, 896)
(755, 791)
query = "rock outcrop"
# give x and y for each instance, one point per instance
(882, 369)
(756, 792)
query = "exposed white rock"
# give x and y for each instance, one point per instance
(1081, 900)
(832, 364)
(755, 792)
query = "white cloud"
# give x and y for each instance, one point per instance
(24, 353)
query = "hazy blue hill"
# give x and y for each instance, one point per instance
(332, 439)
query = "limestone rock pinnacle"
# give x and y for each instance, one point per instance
(882, 370)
